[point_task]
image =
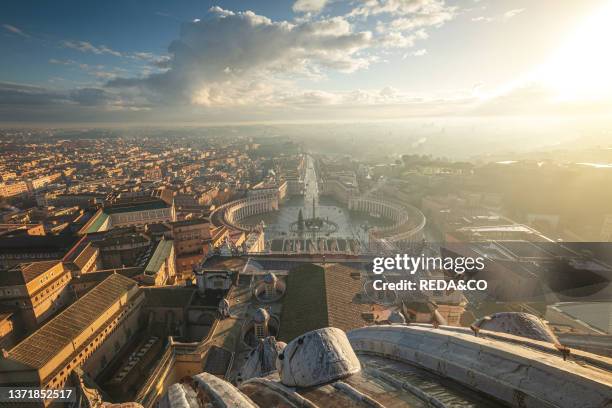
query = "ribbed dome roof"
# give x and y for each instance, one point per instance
(397, 317)
(317, 357)
(270, 278)
(518, 324)
(261, 316)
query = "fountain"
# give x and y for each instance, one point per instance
(314, 224)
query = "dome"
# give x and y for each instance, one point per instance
(261, 316)
(317, 357)
(270, 278)
(204, 390)
(396, 317)
(262, 359)
(518, 324)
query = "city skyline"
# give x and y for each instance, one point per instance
(304, 61)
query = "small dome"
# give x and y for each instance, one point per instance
(270, 278)
(518, 324)
(262, 360)
(219, 392)
(317, 357)
(261, 316)
(396, 317)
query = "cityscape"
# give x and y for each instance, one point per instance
(233, 216)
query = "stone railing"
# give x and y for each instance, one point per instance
(508, 371)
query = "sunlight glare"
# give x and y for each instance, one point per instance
(582, 68)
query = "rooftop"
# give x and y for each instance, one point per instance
(25, 272)
(162, 252)
(48, 341)
(132, 207)
(37, 244)
(320, 296)
(192, 221)
(596, 314)
(95, 224)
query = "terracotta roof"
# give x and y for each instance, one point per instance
(37, 244)
(25, 272)
(321, 296)
(100, 275)
(35, 269)
(85, 255)
(48, 341)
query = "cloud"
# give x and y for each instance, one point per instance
(27, 95)
(406, 20)
(62, 62)
(91, 96)
(512, 13)
(228, 62)
(84, 46)
(27, 103)
(150, 58)
(396, 39)
(219, 11)
(227, 58)
(145, 56)
(506, 16)
(399, 7)
(422, 20)
(309, 6)
(15, 30)
(19, 95)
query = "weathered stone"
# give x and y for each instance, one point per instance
(510, 372)
(179, 396)
(270, 278)
(261, 316)
(317, 357)
(519, 324)
(262, 359)
(221, 393)
(396, 317)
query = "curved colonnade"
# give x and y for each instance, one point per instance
(231, 214)
(408, 221)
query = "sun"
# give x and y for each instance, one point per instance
(582, 68)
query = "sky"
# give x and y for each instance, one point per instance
(184, 61)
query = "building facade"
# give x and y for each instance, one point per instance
(87, 334)
(36, 291)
